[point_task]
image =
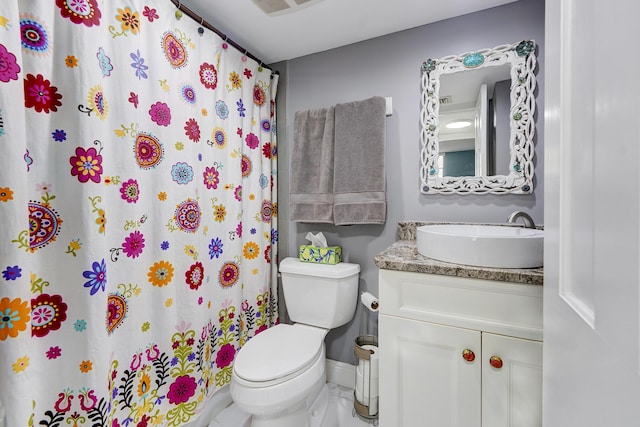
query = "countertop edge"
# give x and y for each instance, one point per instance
(403, 255)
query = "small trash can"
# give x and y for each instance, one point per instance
(366, 392)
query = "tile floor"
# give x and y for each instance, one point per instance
(340, 413)
(341, 406)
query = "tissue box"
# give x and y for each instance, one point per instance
(326, 255)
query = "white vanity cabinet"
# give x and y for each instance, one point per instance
(459, 352)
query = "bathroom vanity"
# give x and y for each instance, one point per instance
(459, 346)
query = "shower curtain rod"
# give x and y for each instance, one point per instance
(200, 19)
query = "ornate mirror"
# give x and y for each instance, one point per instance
(477, 121)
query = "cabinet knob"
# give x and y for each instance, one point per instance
(496, 362)
(468, 355)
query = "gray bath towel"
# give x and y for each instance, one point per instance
(359, 184)
(311, 193)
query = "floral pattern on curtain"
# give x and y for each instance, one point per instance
(138, 212)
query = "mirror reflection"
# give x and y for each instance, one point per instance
(477, 121)
(474, 122)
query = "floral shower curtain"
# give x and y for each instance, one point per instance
(137, 212)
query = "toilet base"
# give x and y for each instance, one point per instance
(317, 411)
(309, 413)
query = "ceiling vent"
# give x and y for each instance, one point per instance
(279, 7)
(446, 100)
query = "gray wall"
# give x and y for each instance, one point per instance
(390, 66)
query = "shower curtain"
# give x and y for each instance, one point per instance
(137, 212)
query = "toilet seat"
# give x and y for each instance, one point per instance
(278, 354)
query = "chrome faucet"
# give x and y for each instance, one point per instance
(528, 221)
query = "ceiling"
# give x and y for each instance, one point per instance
(325, 24)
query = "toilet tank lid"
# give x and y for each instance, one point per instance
(331, 271)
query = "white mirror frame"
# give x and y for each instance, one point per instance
(522, 58)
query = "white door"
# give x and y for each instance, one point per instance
(426, 380)
(592, 214)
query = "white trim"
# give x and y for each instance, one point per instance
(576, 285)
(341, 373)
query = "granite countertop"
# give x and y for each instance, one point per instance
(403, 256)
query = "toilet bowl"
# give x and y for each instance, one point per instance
(279, 375)
(281, 389)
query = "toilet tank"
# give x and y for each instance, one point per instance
(320, 295)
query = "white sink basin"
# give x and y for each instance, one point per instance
(482, 245)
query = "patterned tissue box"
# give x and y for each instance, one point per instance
(327, 255)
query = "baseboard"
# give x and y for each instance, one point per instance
(340, 373)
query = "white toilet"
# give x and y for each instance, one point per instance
(279, 375)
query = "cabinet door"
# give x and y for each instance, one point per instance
(512, 392)
(424, 379)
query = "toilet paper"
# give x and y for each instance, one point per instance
(371, 365)
(368, 386)
(370, 301)
(367, 380)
